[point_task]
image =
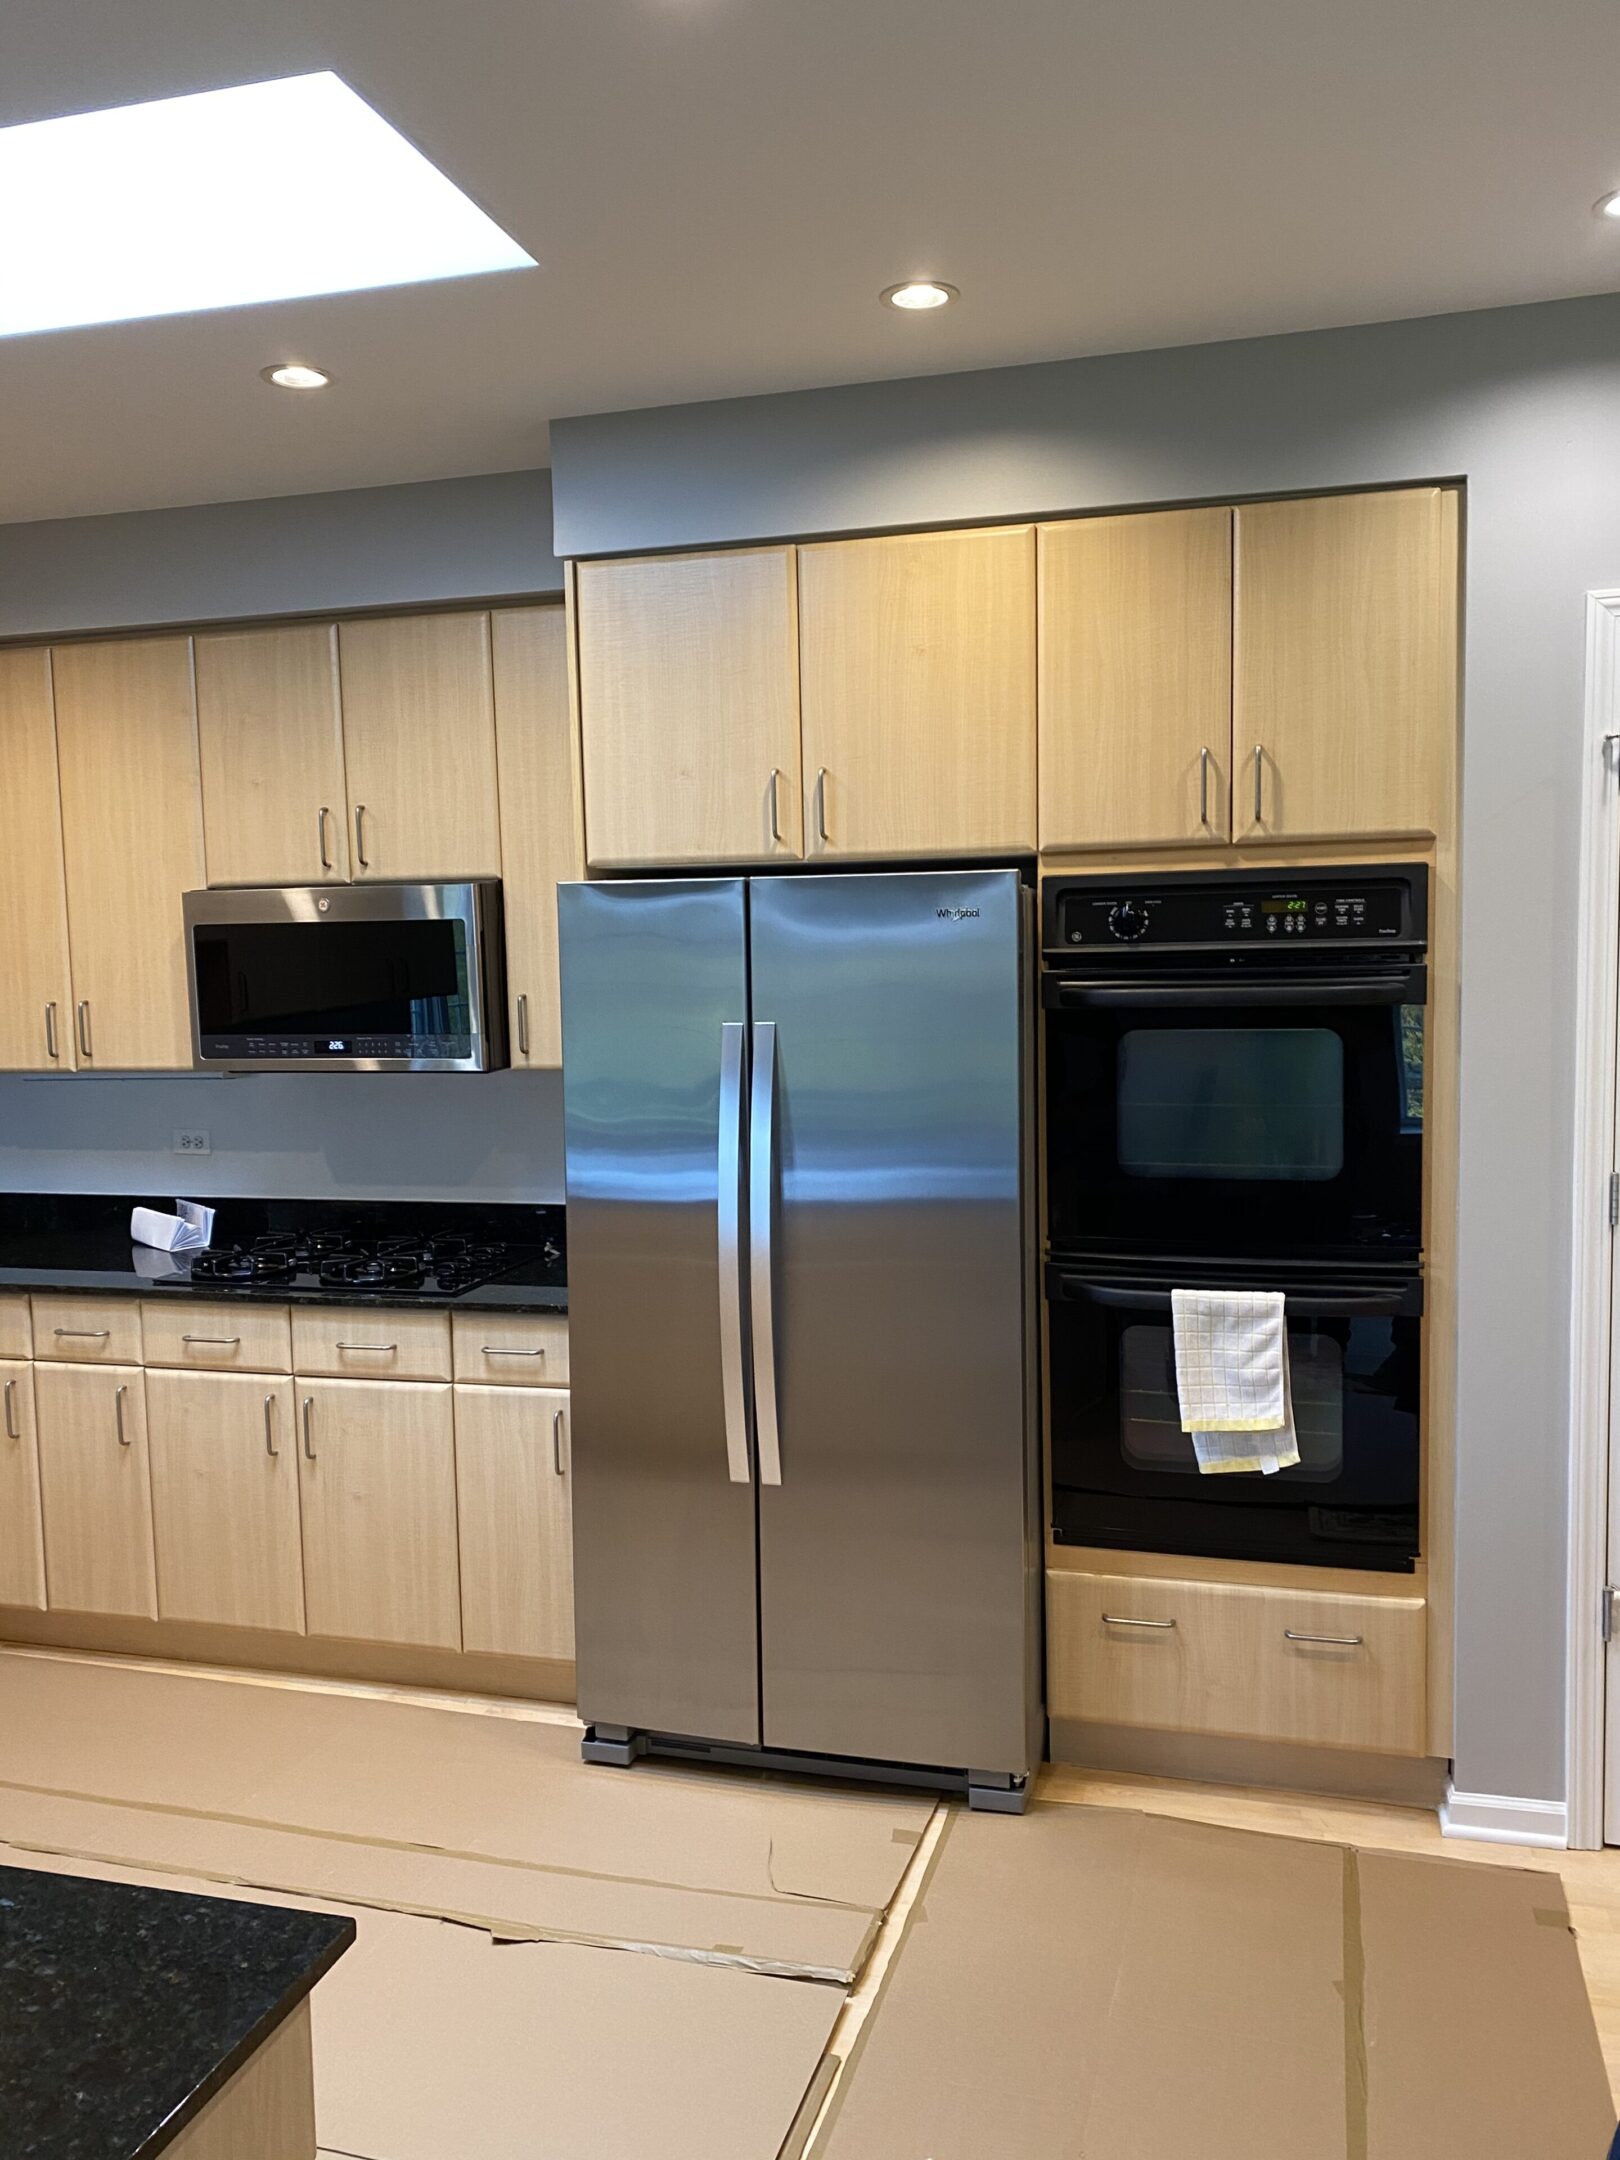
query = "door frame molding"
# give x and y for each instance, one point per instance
(1592, 1256)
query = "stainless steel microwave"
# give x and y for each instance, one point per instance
(347, 978)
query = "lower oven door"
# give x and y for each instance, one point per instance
(1124, 1473)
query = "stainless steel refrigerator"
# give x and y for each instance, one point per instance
(800, 1259)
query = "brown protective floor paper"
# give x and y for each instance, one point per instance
(1101, 1985)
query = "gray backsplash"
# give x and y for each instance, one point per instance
(407, 1136)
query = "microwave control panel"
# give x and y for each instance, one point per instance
(1240, 910)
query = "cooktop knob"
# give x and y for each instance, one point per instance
(1127, 920)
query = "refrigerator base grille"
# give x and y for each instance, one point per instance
(1002, 1792)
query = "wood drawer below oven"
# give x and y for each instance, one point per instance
(511, 1349)
(1249, 1662)
(87, 1330)
(371, 1342)
(226, 1337)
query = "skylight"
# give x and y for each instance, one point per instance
(272, 191)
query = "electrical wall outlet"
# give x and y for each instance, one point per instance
(192, 1143)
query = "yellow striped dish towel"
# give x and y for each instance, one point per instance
(1232, 1379)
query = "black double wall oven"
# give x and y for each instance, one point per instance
(1234, 1100)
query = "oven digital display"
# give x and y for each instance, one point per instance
(1274, 906)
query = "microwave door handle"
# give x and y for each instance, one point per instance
(1409, 987)
(733, 1380)
(1314, 1303)
(761, 1243)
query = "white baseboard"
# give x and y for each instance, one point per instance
(1502, 1819)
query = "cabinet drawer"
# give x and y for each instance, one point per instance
(372, 1343)
(217, 1338)
(16, 1334)
(88, 1330)
(1247, 1662)
(507, 1350)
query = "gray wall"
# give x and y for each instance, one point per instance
(433, 540)
(354, 1136)
(1524, 403)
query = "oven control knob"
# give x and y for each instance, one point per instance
(1127, 920)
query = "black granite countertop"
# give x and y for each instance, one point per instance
(123, 2010)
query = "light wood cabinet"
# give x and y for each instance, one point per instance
(1344, 674)
(516, 1527)
(371, 1343)
(511, 1349)
(1136, 679)
(377, 1481)
(36, 984)
(419, 745)
(917, 659)
(95, 1489)
(689, 706)
(87, 1330)
(22, 1538)
(126, 729)
(540, 824)
(225, 1499)
(270, 729)
(216, 1338)
(16, 1326)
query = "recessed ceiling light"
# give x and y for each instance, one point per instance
(1608, 205)
(918, 294)
(270, 191)
(293, 375)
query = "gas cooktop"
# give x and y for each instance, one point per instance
(438, 1266)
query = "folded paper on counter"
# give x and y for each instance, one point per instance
(188, 1229)
(1232, 1379)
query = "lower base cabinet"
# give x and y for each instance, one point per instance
(95, 1489)
(22, 1538)
(225, 1499)
(516, 1525)
(377, 1485)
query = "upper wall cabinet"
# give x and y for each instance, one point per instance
(275, 805)
(419, 742)
(689, 703)
(1344, 678)
(36, 995)
(1136, 679)
(917, 662)
(540, 834)
(126, 730)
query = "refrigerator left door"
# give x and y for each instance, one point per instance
(654, 1000)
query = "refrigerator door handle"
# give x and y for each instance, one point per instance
(761, 1226)
(733, 1380)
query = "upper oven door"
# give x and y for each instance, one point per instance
(1270, 1112)
(372, 978)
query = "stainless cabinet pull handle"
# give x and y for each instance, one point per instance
(1259, 782)
(118, 1416)
(322, 818)
(1342, 1642)
(219, 1342)
(821, 806)
(523, 1022)
(51, 1050)
(1203, 787)
(270, 1447)
(309, 1415)
(84, 1028)
(776, 814)
(13, 1429)
(89, 1334)
(556, 1442)
(1116, 1619)
(360, 836)
(489, 1349)
(367, 1346)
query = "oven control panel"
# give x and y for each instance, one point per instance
(1238, 910)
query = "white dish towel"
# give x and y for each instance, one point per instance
(1232, 1379)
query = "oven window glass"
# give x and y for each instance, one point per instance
(1150, 1434)
(334, 978)
(1254, 1103)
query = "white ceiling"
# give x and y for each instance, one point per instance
(716, 191)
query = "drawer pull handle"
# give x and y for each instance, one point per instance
(87, 1334)
(218, 1342)
(118, 1416)
(556, 1442)
(1115, 1619)
(13, 1429)
(489, 1349)
(1340, 1642)
(368, 1346)
(270, 1447)
(309, 1416)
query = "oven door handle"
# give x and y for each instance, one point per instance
(1408, 987)
(1314, 1302)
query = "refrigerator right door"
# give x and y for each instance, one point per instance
(889, 1300)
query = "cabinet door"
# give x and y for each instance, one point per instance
(419, 745)
(918, 686)
(271, 733)
(377, 1477)
(517, 1549)
(689, 708)
(1136, 679)
(540, 835)
(95, 1489)
(22, 1542)
(36, 1009)
(225, 1499)
(126, 732)
(1344, 680)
